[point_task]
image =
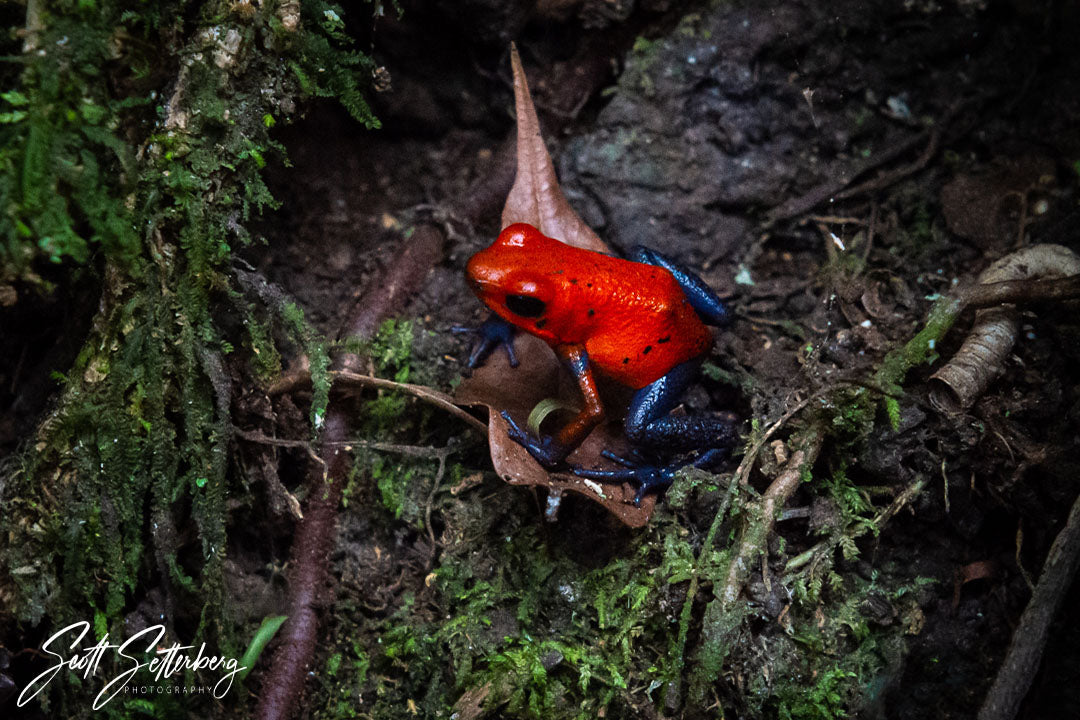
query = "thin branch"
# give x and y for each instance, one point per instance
(1019, 291)
(352, 380)
(906, 496)
(758, 523)
(1029, 639)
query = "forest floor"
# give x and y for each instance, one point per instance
(830, 172)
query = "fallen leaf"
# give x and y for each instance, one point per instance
(536, 198)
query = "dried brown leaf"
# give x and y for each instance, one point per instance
(536, 198)
(499, 387)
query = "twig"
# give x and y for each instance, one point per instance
(420, 451)
(1018, 291)
(34, 26)
(889, 178)
(879, 521)
(759, 521)
(840, 187)
(742, 473)
(833, 186)
(431, 501)
(1029, 639)
(344, 378)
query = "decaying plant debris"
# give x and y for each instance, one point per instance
(957, 385)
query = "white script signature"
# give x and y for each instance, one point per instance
(169, 660)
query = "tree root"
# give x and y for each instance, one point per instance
(316, 533)
(1029, 639)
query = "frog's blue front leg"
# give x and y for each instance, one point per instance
(710, 308)
(493, 333)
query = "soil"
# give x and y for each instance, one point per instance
(935, 137)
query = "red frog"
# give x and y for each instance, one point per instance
(641, 322)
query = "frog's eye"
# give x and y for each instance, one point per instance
(525, 305)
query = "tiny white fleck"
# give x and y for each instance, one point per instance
(837, 241)
(595, 487)
(865, 324)
(742, 277)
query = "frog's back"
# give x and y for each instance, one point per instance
(648, 327)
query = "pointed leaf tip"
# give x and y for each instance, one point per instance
(536, 197)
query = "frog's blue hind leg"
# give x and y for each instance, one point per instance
(710, 308)
(649, 425)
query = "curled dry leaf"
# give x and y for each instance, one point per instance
(499, 387)
(537, 199)
(959, 383)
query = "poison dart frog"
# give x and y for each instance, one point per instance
(641, 322)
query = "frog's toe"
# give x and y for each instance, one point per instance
(545, 450)
(645, 476)
(492, 334)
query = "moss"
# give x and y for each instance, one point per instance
(921, 349)
(153, 187)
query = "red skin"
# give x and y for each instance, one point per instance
(632, 319)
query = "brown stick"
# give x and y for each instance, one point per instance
(344, 379)
(758, 522)
(316, 533)
(1018, 291)
(1029, 639)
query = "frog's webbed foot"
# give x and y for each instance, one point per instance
(545, 449)
(647, 476)
(493, 333)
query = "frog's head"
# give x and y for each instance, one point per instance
(507, 276)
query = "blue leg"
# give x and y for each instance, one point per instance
(649, 425)
(710, 308)
(493, 333)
